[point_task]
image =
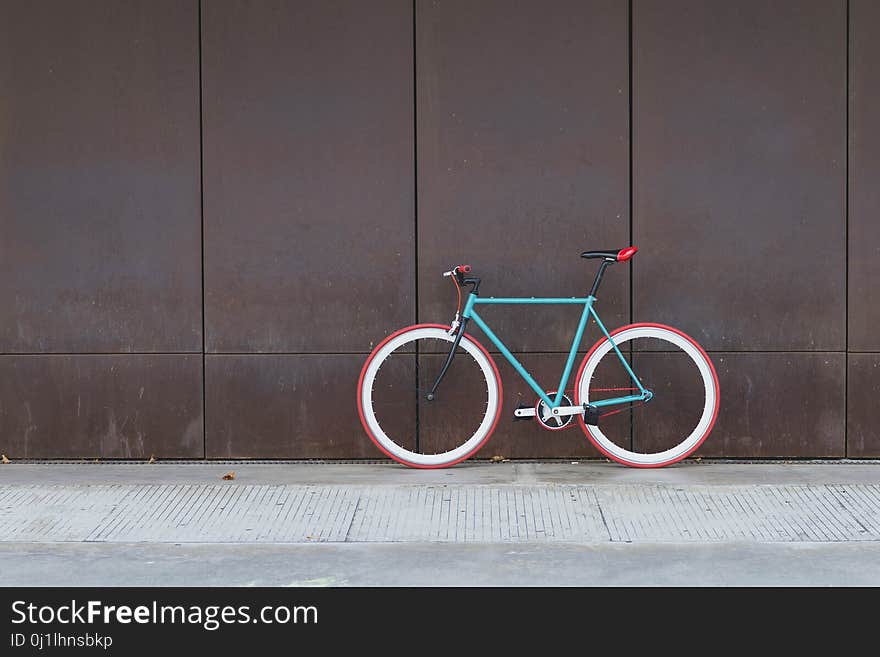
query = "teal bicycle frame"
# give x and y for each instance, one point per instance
(470, 313)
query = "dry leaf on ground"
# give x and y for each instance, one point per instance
(152, 459)
(229, 476)
(5, 460)
(497, 458)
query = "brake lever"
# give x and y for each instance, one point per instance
(458, 275)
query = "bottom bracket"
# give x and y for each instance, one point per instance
(547, 420)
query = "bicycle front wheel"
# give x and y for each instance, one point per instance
(394, 404)
(678, 373)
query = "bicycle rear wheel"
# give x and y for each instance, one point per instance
(399, 418)
(679, 416)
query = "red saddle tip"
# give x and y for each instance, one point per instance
(625, 254)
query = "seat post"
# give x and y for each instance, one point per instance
(602, 267)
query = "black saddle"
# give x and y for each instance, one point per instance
(612, 255)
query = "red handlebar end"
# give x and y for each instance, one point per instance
(464, 269)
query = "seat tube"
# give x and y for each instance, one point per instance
(578, 336)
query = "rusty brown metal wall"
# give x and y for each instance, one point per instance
(100, 237)
(211, 211)
(522, 129)
(739, 207)
(309, 216)
(863, 382)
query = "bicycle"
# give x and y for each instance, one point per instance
(417, 422)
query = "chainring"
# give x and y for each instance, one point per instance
(546, 420)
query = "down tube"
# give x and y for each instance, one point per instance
(511, 358)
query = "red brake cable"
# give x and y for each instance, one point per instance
(454, 278)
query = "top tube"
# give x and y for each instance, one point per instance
(548, 300)
(473, 299)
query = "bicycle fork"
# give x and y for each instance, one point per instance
(459, 333)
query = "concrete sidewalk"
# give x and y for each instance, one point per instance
(583, 523)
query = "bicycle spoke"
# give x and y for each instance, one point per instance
(674, 420)
(416, 426)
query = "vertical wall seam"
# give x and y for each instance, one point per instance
(630, 144)
(202, 240)
(415, 128)
(846, 253)
(632, 278)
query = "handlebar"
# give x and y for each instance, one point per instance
(458, 270)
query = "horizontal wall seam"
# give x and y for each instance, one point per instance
(365, 353)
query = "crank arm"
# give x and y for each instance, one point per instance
(567, 410)
(529, 411)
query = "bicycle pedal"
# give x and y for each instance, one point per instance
(523, 413)
(591, 415)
